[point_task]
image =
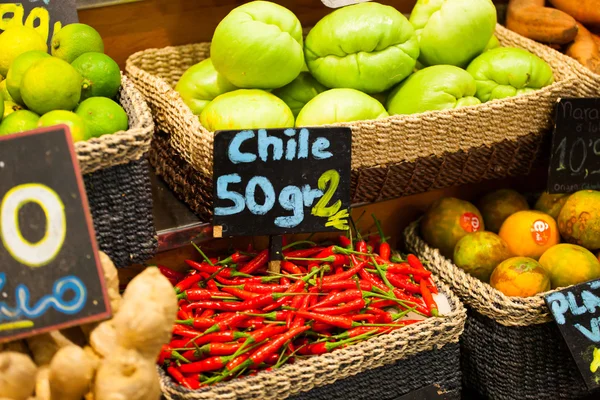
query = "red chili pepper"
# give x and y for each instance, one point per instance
(335, 320)
(261, 301)
(361, 246)
(188, 282)
(170, 274)
(303, 253)
(228, 323)
(403, 283)
(257, 262)
(263, 352)
(406, 269)
(338, 298)
(208, 364)
(373, 280)
(252, 323)
(296, 287)
(290, 267)
(212, 285)
(239, 293)
(220, 337)
(346, 274)
(370, 318)
(384, 246)
(344, 284)
(327, 347)
(345, 241)
(223, 271)
(418, 303)
(198, 294)
(237, 361)
(212, 349)
(263, 288)
(183, 314)
(207, 313)
(197, 323)
(340, 260)
(295, 304)
(235, 258)
(273, 315)
(298, 320)
(431, 285)
(383, 303)
(214, 305)
(178, 376)
(428, 299)
(284, 281)
(185, 331)
(350, 306)
(414, 262)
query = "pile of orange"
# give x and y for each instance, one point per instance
(526, 256)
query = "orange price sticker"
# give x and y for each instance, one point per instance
(470, 222)
(540, 231)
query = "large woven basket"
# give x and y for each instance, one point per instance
(383, 368)
(117, 181)
(510, 348)
(391, 157)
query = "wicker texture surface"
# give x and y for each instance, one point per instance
(524, 362)
(480, 296)
(302, 376)
(120, 147)
(385, 152)
(509, 349)
(120, 200)
(438, 366)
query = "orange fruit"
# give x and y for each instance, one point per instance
(569, 264)
(520, 277)
(529, 233)
(496, 206)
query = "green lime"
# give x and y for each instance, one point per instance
(69, 118)
(19, 121)
(18, 40)
(18, 68)
(10, 107)
(101, 75)
(2, 102)
(4, 91)
(74, 40)
(51, 84)
(102, 116)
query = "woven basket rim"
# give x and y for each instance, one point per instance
(124, 146)
(478, 295)
(420, 337)
(201, 138)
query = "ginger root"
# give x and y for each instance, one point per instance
(127, 375)
(17, 375)
(71, 373)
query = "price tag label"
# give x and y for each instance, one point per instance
(575, 157)
(50, 273)
(576, 311)
(45, 16)
(277, 181)
(341, 3)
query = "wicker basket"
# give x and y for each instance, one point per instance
(395, 156)
(117, 181)
(385, 367)
(510, 348)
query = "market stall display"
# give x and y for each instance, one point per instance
(503, 280)
(245, 332)
(112, 359)
(77, 85)
(392, 156)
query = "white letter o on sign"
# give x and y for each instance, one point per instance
(40, 253)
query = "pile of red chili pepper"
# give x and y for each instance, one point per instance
(235, 317)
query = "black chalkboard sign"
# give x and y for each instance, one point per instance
(277, 181)
(427, 393)
(46, 16)
(575, 157)
(50, 273)
(576, 311)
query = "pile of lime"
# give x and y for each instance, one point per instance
(75, 84)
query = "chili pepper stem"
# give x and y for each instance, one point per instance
(382, 275)
(202, 254)
(297, 243)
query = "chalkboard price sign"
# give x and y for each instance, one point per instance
(277, 181)
(576, 311)
(575, 157)
(50, 273)
(45, 16)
